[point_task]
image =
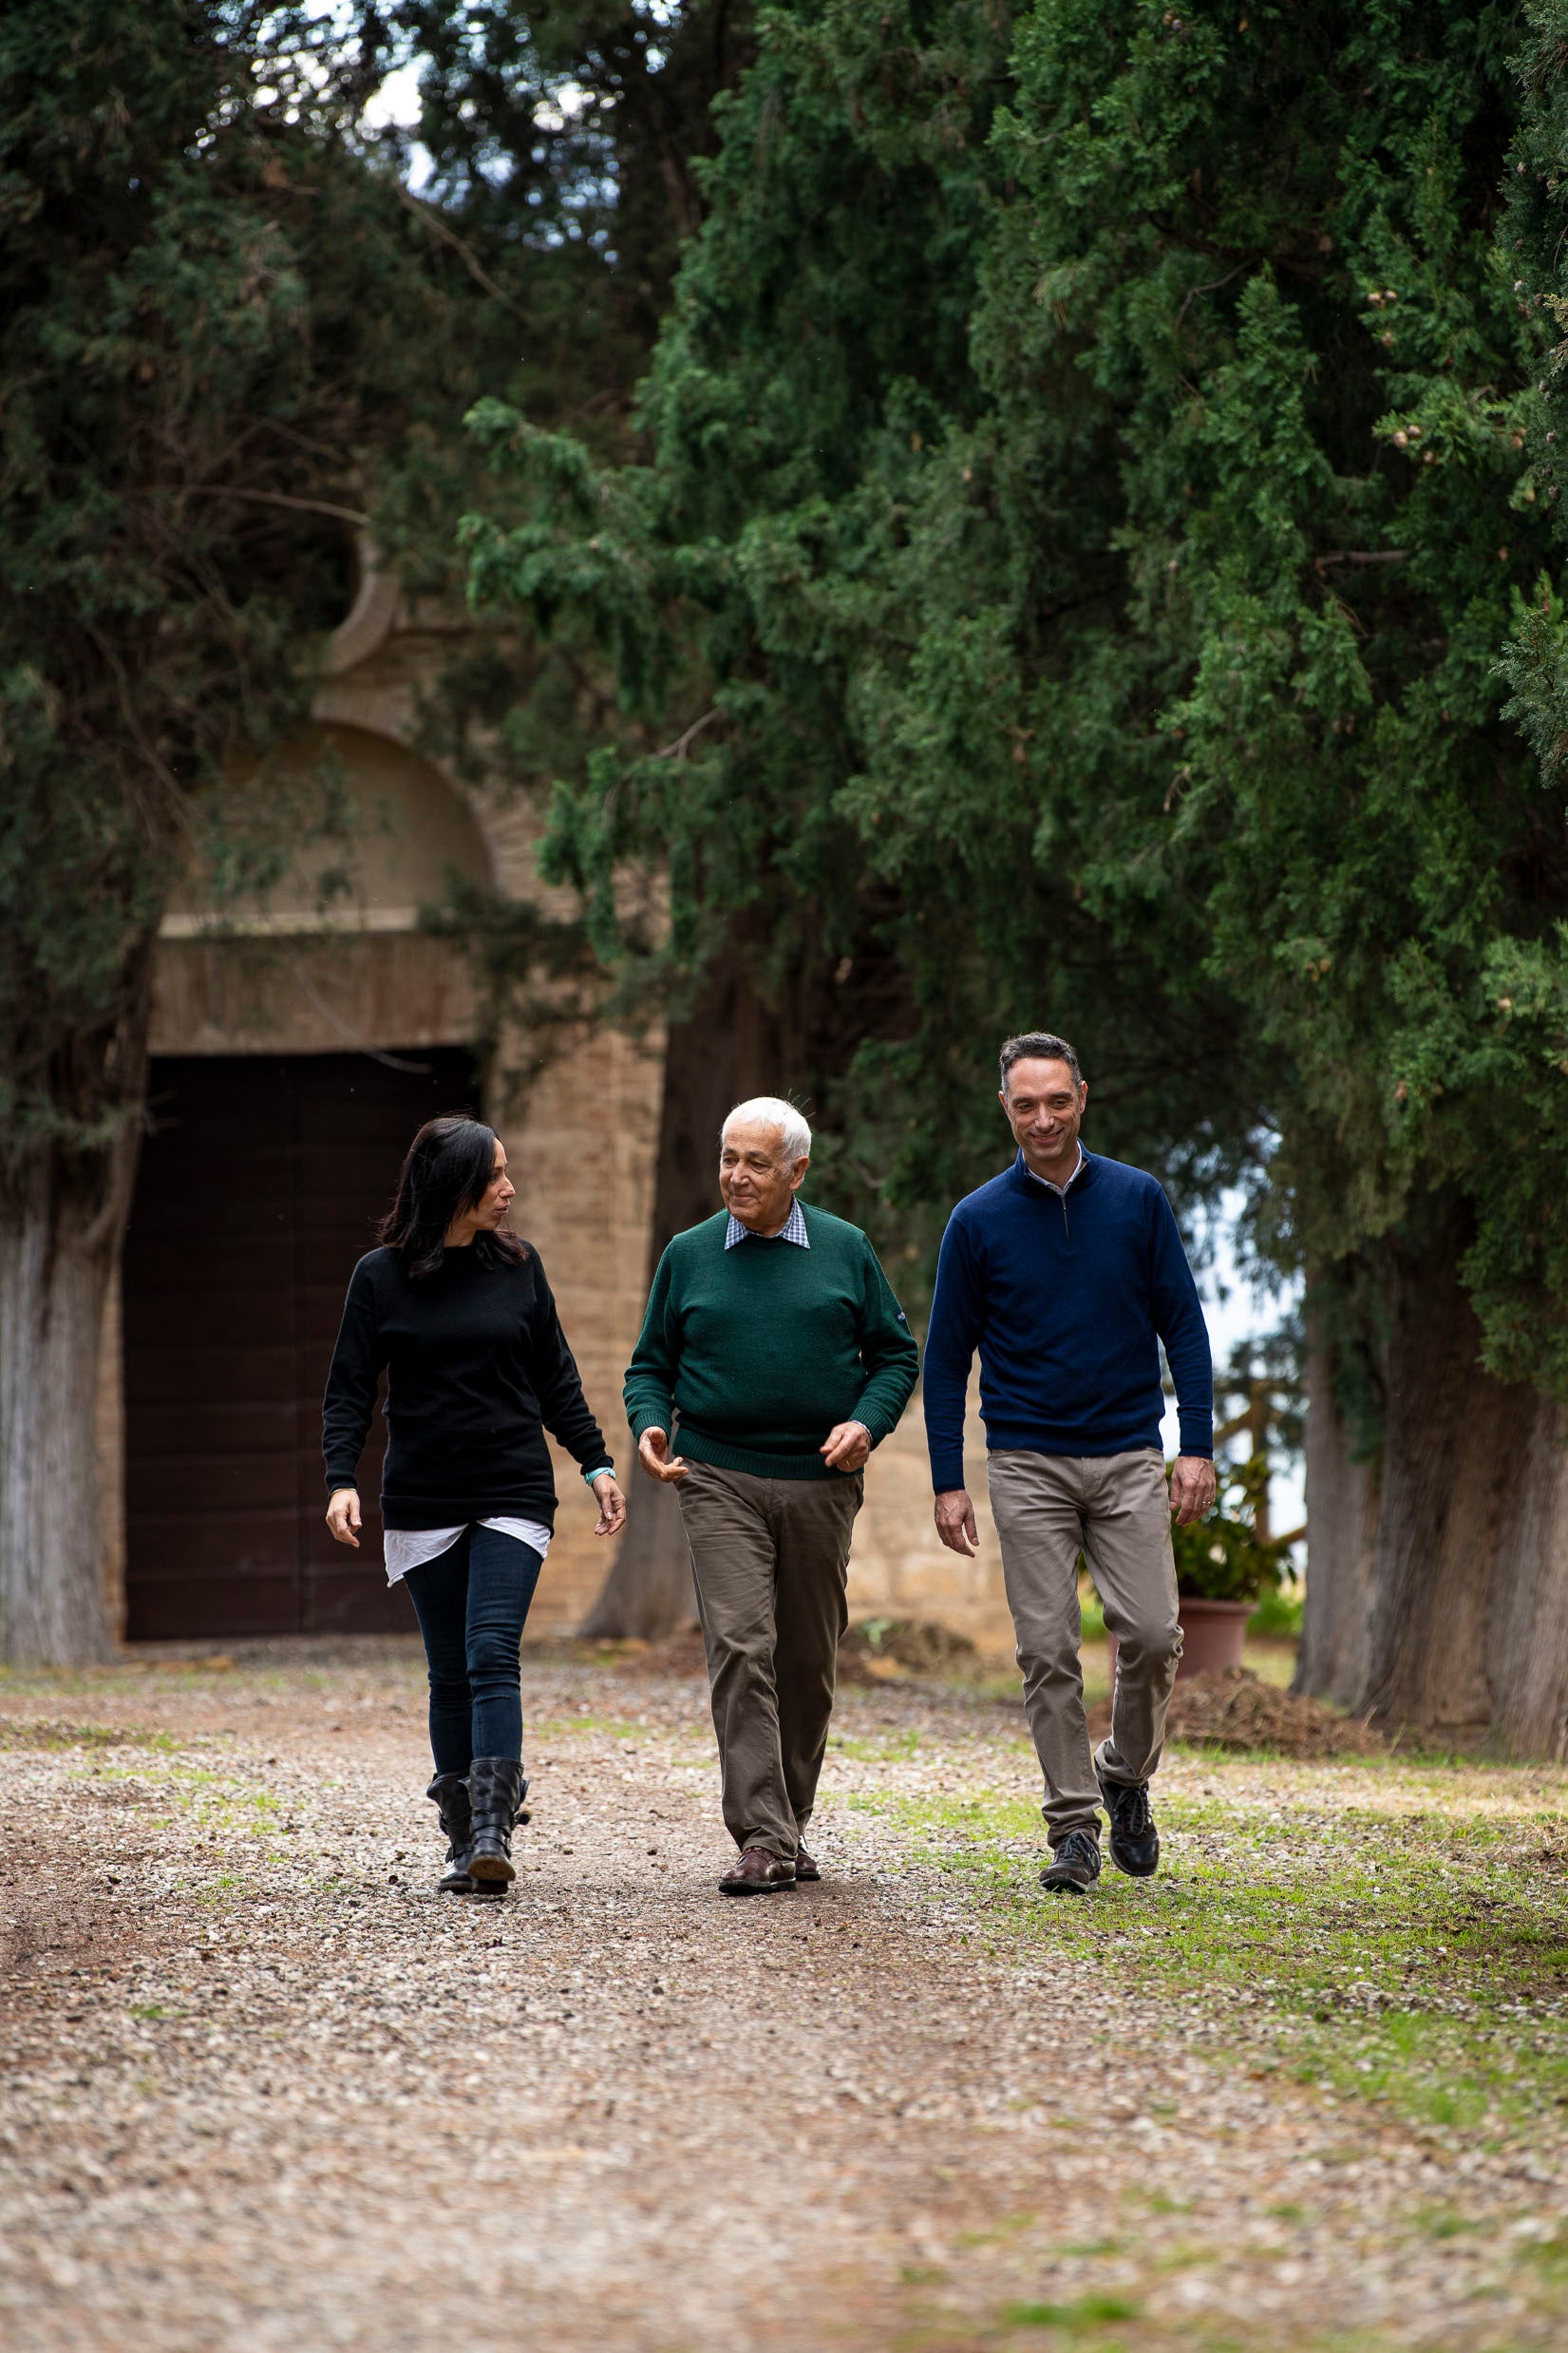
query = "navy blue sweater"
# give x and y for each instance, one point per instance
(1066, 1298)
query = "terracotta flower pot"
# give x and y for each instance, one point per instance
(1212, 1635)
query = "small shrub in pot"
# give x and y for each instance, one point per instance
(1222, 1558)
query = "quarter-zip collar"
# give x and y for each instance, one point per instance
(1050, 1182)
(1026, 1180)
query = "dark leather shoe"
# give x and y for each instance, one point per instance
(448, 1792)
(758, 1873)
(1074, 1864)
(806, 1865)
(496, 1791)
(1134, 1840)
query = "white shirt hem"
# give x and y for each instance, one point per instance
(410, 1548)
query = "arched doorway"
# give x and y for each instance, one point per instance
(260, 1185)
(304, 1028)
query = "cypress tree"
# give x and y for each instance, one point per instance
(1091, 492)
(233, 344)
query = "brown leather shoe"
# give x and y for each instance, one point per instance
(806, 1865)
(758, 1873)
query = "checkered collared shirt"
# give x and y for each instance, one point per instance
(793, 1230)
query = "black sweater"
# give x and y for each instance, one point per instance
(477, 1370)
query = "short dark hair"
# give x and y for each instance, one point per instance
(447, 1170)
(1039, 1046)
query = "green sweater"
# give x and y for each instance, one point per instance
(761, 1349)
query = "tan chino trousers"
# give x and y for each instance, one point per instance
(1114, 1510)
(769, 1558)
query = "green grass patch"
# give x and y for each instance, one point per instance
(16, 1734)
(1407, 1944)
(1549, 2256)
(1084, 2312)
(1277, 1616)
(881, 1748)
(603, 1727)
(207, 1806)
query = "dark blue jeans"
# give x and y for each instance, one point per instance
(471, 1603)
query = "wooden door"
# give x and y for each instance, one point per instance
(260, 1184)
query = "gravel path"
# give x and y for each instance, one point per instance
(264, 2089)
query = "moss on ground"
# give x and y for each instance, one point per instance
(1382, 1929)
(20, 1733)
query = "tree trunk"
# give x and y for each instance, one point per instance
(649, 1591)
(727, 1050)
(56, 1253)
(1335, 1660)
(1469, 1620)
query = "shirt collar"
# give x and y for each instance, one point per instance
(1060, 1190)
(794, 1229)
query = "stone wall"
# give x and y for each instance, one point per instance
(587, 1144)
(898, 1569)
(581, 1136)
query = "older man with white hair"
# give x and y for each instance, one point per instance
(774, 1352)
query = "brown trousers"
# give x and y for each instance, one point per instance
(1114, 1509)
(769, 1558)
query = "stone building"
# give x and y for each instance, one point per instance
(297, 1041)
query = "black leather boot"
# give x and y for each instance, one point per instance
(496, 1791)
(449, 1792)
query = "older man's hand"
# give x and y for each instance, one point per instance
(1192, 1489)
(654, 1455)
(955, 1522)
(846, 1446)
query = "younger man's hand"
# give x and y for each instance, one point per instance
(955, 1523)
(1192, 1489)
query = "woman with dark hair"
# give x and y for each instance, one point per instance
(457, 1314)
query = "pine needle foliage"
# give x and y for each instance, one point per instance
(235, 349)
(1091, 492)
(195, 277)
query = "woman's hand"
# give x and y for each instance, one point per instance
(654, 1455)
(612, 1505)
(342, 1515)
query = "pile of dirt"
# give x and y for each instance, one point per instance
(680, 1653)
(884, 1650)
(1232, 1708)
(1236, 1709)
(879, 1650)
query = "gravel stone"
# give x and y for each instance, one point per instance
(264, 2089)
